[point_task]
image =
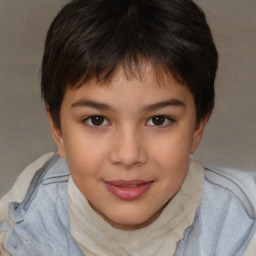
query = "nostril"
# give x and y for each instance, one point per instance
(128, 157)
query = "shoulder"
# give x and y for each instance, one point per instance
(227, 213)
(18, 192)
(41, 214)
(21, 185)
(240, 185)
(225, 223)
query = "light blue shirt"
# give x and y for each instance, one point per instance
(223, 226)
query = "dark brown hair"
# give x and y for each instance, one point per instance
(91, 38)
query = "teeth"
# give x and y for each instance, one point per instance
(130, 186)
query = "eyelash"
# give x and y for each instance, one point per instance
(167, 121)
(88, 121)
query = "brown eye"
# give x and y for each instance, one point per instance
(161, 121)
(95, 121)
(158, 120)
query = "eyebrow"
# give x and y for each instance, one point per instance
(163, 104)
(151, 107)
(91, 104)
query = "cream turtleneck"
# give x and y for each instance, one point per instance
(96, 237)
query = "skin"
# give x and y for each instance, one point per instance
(147, 133)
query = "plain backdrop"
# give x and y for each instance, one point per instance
(229, 137)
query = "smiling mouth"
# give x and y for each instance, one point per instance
(128, 190)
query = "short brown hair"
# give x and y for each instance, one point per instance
(91, 38)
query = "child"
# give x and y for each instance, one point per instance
(129, 88)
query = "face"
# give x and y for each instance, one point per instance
(127, 144)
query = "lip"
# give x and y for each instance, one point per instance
(128, 190)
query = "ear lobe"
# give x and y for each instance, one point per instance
(57, 135)
(198, 132)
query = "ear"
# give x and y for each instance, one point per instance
(57, 135)
(198, 132)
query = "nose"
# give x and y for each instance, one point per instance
(128, 149)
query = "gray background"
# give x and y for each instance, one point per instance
(229, 138)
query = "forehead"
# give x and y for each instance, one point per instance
(143, 86)
(143, 71)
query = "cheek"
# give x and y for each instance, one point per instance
(173, 149)
(84, 153)
(172, 160)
